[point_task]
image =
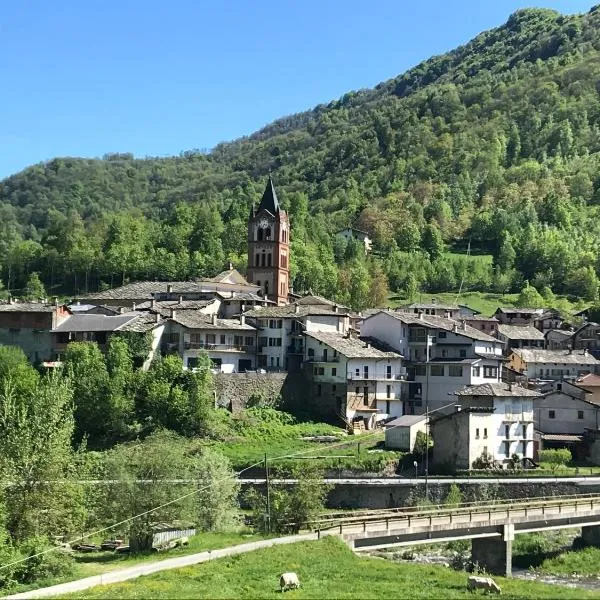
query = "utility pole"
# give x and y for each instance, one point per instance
(427, 418)
(268, 494)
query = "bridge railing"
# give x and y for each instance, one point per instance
(468, 508)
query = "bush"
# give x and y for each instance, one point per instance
(485, 461)
(556, 457)
(50, 564)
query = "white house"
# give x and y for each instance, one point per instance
(401, 433)
(493, 419)
(351, 233)
(230, 343)
(352, 378)
(282, 328)
(442, 355)
(544, 365)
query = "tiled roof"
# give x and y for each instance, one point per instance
(436, 322)
(27, 307)
(351, 347)
(538, 355)
(590, 379)
(496, 389)
(144, 289)
(91, 322)
(294, 310)
(520, 332)
(561, 437)
(195, 320)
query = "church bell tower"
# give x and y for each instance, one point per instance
(269, 247)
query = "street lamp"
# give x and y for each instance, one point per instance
(416, 466)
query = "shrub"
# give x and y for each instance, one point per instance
(556, 457)
(485, 461)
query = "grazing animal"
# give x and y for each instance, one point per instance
(483, 583)
(288, 581)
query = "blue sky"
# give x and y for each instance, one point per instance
(87, 77)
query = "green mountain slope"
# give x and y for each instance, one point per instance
(496, 142)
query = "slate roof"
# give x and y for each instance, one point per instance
(406, 421)
(528, 311)
(539, 355)
(195, 320)
(436, 322)
(560, 332)
(315, 300)
(496, 389)
(424, 305)
(351, 347)
(144, 322)
(269, 199)
(91, 322)
(480, 318)
(164, 307)
(144, 289)
(228, 276)
(520, 332)
(279, 312)
(33, 307)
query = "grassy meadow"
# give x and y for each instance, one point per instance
(327, 569)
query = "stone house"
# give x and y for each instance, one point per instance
(520, 336)
(487, 325)
(548, 365)
(441, 354)
(353, 378)
(27, 325)
(587, 337)
(493, 419)
(558, 339)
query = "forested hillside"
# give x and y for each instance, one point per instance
(496, 143)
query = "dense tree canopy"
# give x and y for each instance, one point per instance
(496, 143)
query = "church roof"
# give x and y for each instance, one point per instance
(269, 199)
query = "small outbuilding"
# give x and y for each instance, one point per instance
(401, 433)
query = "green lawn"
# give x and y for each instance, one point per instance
(96, 563)
(327, 569)
(584, 563)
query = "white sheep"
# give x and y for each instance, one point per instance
(483, 583)
(288, 581)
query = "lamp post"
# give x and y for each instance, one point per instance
(416, 465)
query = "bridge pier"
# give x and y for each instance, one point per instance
(495, 554)
(591, 535)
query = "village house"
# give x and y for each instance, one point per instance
(547, 365)
(351, 233)
(567, 409)
(494, 420)
(27, 325)
(543, 319)
(587, 337)
(520, 336)
(450, 311)
(487, 325)
(230, 343)
(442, 355)
(353, 378)
(590, 383)
(282, 329)
(559, 339)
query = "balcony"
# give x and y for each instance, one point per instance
(218, 347)
(323, 359)
(295, 350)
(377, 377)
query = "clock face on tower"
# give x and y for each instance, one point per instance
(263, 223)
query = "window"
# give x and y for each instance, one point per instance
(210, 338)
(388, 391)
(441, 335)
(387, 406)
(388, 372)
(333, 372)
(366, 372)
(357, 390)
(366, 396)
(490, 372)
(524, 430)
(417, 334)
(321, 371)
(455, 371)
(319, 389)
(357, 372)
(462, 353)
(420, 370)
(476, 371)
(222, 339)
(507, 448)
(444, 353)
(485, 433)
(257, 261)
(507, 431)
(437, 370)
(551, 414)
(477, 434)
(249, 341)
(580, 414)
(269, 260)
(334, 388)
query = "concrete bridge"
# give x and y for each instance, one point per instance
(490, 527)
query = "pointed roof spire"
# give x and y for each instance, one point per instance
(269, 199)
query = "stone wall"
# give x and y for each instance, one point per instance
(234, 389)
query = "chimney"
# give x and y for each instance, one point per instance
(296, 308)
(510, 386)
(335, 308)
(133, 306)
(464, 325)
(180, 298)
(214, 318)
(447, 314)
(455, 327)
(173, 313)
(11, 300)
(242, 319)
(169, 288)
(231, 266)
(420, 316)
(157, 317)
(367, 345)
(153, 303)
(585, 352)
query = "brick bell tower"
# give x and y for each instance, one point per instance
(269, 247)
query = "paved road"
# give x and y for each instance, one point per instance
(158, 565)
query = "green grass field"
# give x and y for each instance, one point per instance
(584, 563)
(327, 569)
